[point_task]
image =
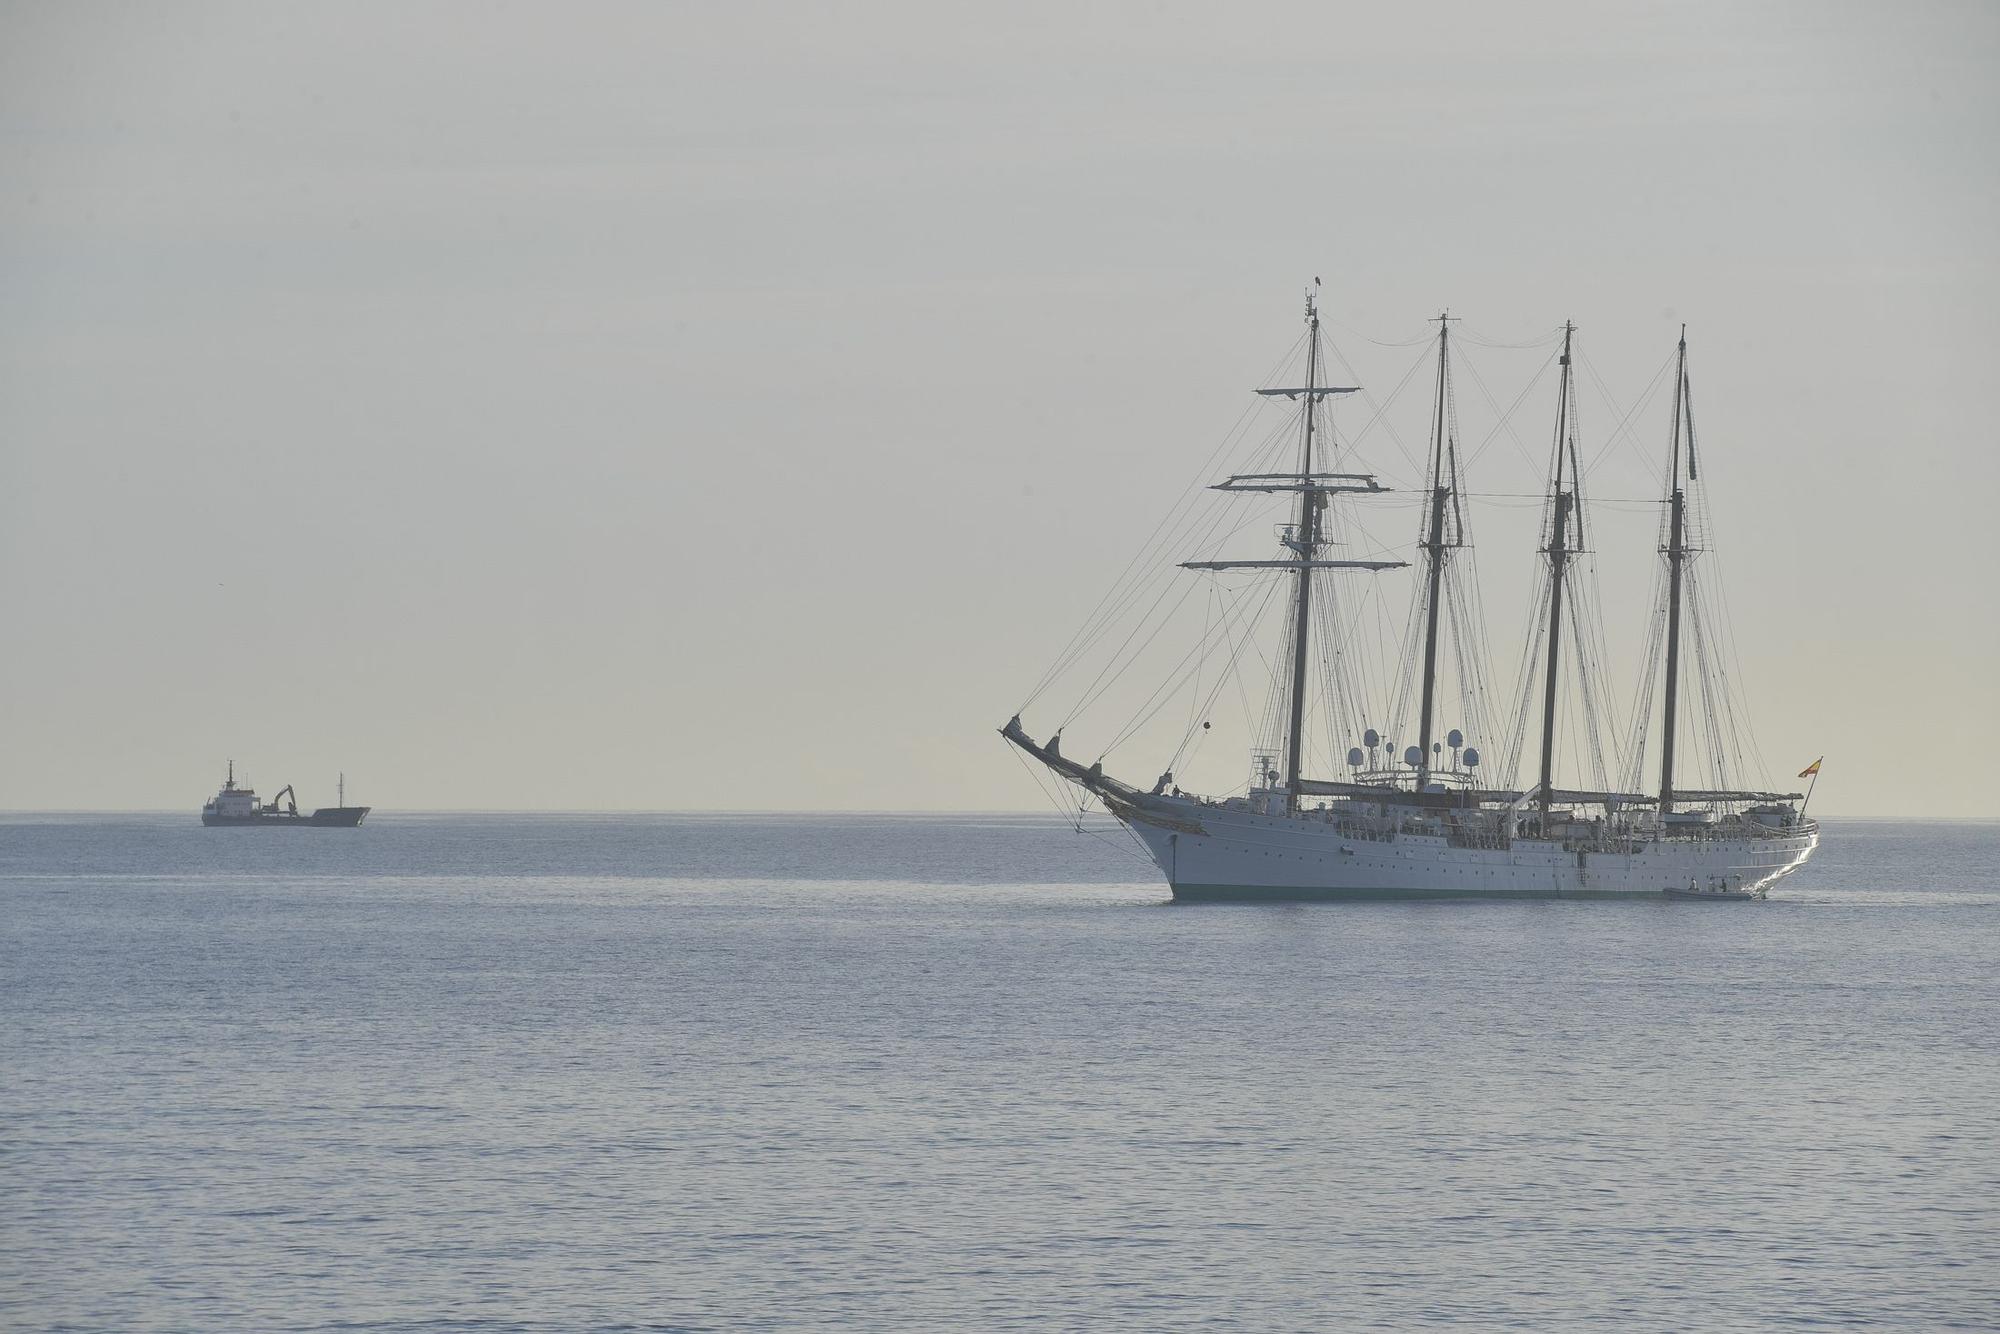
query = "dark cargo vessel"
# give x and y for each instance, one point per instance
(239, 806)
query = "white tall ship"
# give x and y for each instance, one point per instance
(1422, 821)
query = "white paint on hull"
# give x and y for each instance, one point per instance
(1218, 848)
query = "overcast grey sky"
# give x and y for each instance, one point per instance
(675, 406)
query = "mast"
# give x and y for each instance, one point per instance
(1305, 545)
(1434, 547)
(1676, 558)
(1303, 541)
(1558, 553)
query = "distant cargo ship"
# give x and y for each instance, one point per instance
(239, 806)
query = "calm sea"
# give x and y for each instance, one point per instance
(794, 1072)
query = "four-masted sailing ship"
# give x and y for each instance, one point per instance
(1424, 822)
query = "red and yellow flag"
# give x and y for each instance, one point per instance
(1812, 769)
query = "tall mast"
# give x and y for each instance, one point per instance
(1305, 545)
(1676, 557)
(1558, 552)
(1434, 547)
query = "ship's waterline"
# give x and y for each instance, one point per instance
(1214, 854)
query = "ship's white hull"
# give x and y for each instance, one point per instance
(1218, 853)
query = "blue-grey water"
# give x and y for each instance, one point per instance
(796, 1072)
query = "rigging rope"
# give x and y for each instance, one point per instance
(1136, 611)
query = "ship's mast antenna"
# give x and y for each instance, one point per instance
(1676, 558)
(1434, 547)
(1305, 545)
(1558, 553)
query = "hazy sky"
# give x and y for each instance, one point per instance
(724, 407)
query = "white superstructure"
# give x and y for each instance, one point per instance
(232, 802)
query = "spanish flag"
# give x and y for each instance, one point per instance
(1812, 769)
